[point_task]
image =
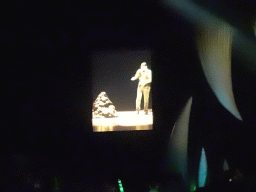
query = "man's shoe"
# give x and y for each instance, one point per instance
(146, 112)
(137, 112)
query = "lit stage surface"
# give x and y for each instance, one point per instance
(125, 121)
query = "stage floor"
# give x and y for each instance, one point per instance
(125, 121)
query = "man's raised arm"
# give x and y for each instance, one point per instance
(136, 76)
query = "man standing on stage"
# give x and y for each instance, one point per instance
(145, 78)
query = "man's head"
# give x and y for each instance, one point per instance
(143, 66)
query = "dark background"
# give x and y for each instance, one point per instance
(112, 71)
(46, 86)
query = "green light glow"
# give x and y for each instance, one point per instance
(120, 186)
(56, 185)
(193, 186)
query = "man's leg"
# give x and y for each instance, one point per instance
(138, 99)
(146, 91)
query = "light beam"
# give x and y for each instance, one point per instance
(202, 169)
(214, 49)
(177, 148)
(225, 165)
(214, 45)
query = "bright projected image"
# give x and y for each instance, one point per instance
(122, 90)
